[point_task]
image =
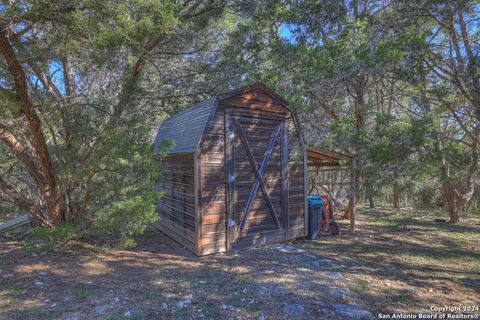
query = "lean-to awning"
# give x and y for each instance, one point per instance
(326, 158)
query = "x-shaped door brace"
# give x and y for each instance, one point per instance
(259, 173)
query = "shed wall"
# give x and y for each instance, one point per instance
(213, 217)
(176, 209)
(212, 225)
(194, 210)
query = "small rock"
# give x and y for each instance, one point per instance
(8, 275)
(326, 311)
(46, 300)
(331, 275)
(164, 305)
(183, 303)
(322, 263)
(227, 307)
(34, 254)
(355, 265)
(116, 300)
(287, 248)
(127, 314)
(202, 282)
(339, 293)
(53, 305)
(309, 255)
(408, 288)
(294, 310)
(72, 318)
(42, 273)
(352, 311)
(245, 290)
(39, 283)
(262, 317)
(101, 309)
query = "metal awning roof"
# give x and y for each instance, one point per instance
(326, 158)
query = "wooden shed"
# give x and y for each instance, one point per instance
(237, 174)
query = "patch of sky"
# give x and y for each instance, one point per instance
(295, 33)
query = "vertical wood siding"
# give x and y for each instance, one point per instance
(258, 115)
(176, 209)
(194, 208)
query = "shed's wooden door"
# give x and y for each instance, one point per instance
(257, 183)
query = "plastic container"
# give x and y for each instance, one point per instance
(315, 211)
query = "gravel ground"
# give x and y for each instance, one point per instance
(385, 268)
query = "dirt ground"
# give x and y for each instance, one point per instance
(396, 262)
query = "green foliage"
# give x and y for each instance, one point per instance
(129, 217)
(105, 170)
(373, 82)
(60, 233)
(41, 239)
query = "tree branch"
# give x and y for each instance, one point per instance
(27, 108)
(22, 202)
(13, 144)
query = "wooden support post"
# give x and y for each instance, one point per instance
(230, 219)
(284, 186)
(305, 190)
(198, 202)
(353, 195)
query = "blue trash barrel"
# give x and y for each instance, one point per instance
(315, 209)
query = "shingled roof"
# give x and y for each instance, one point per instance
(186, 127)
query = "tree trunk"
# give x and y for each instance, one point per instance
(359, 109)
(370, 202)
(449, 202)
(51, 191)
(448, 192)
(368, 193)
(396, 195)
(348, 210)
(23, 203)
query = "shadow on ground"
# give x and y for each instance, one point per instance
(395, 262)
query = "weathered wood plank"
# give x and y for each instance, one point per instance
(229, 168)
(175, 236)
(284, 177)
(198, 201)
(15, 223)
(245, 101)
(259, 172)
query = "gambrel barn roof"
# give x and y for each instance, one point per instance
(187, 127)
